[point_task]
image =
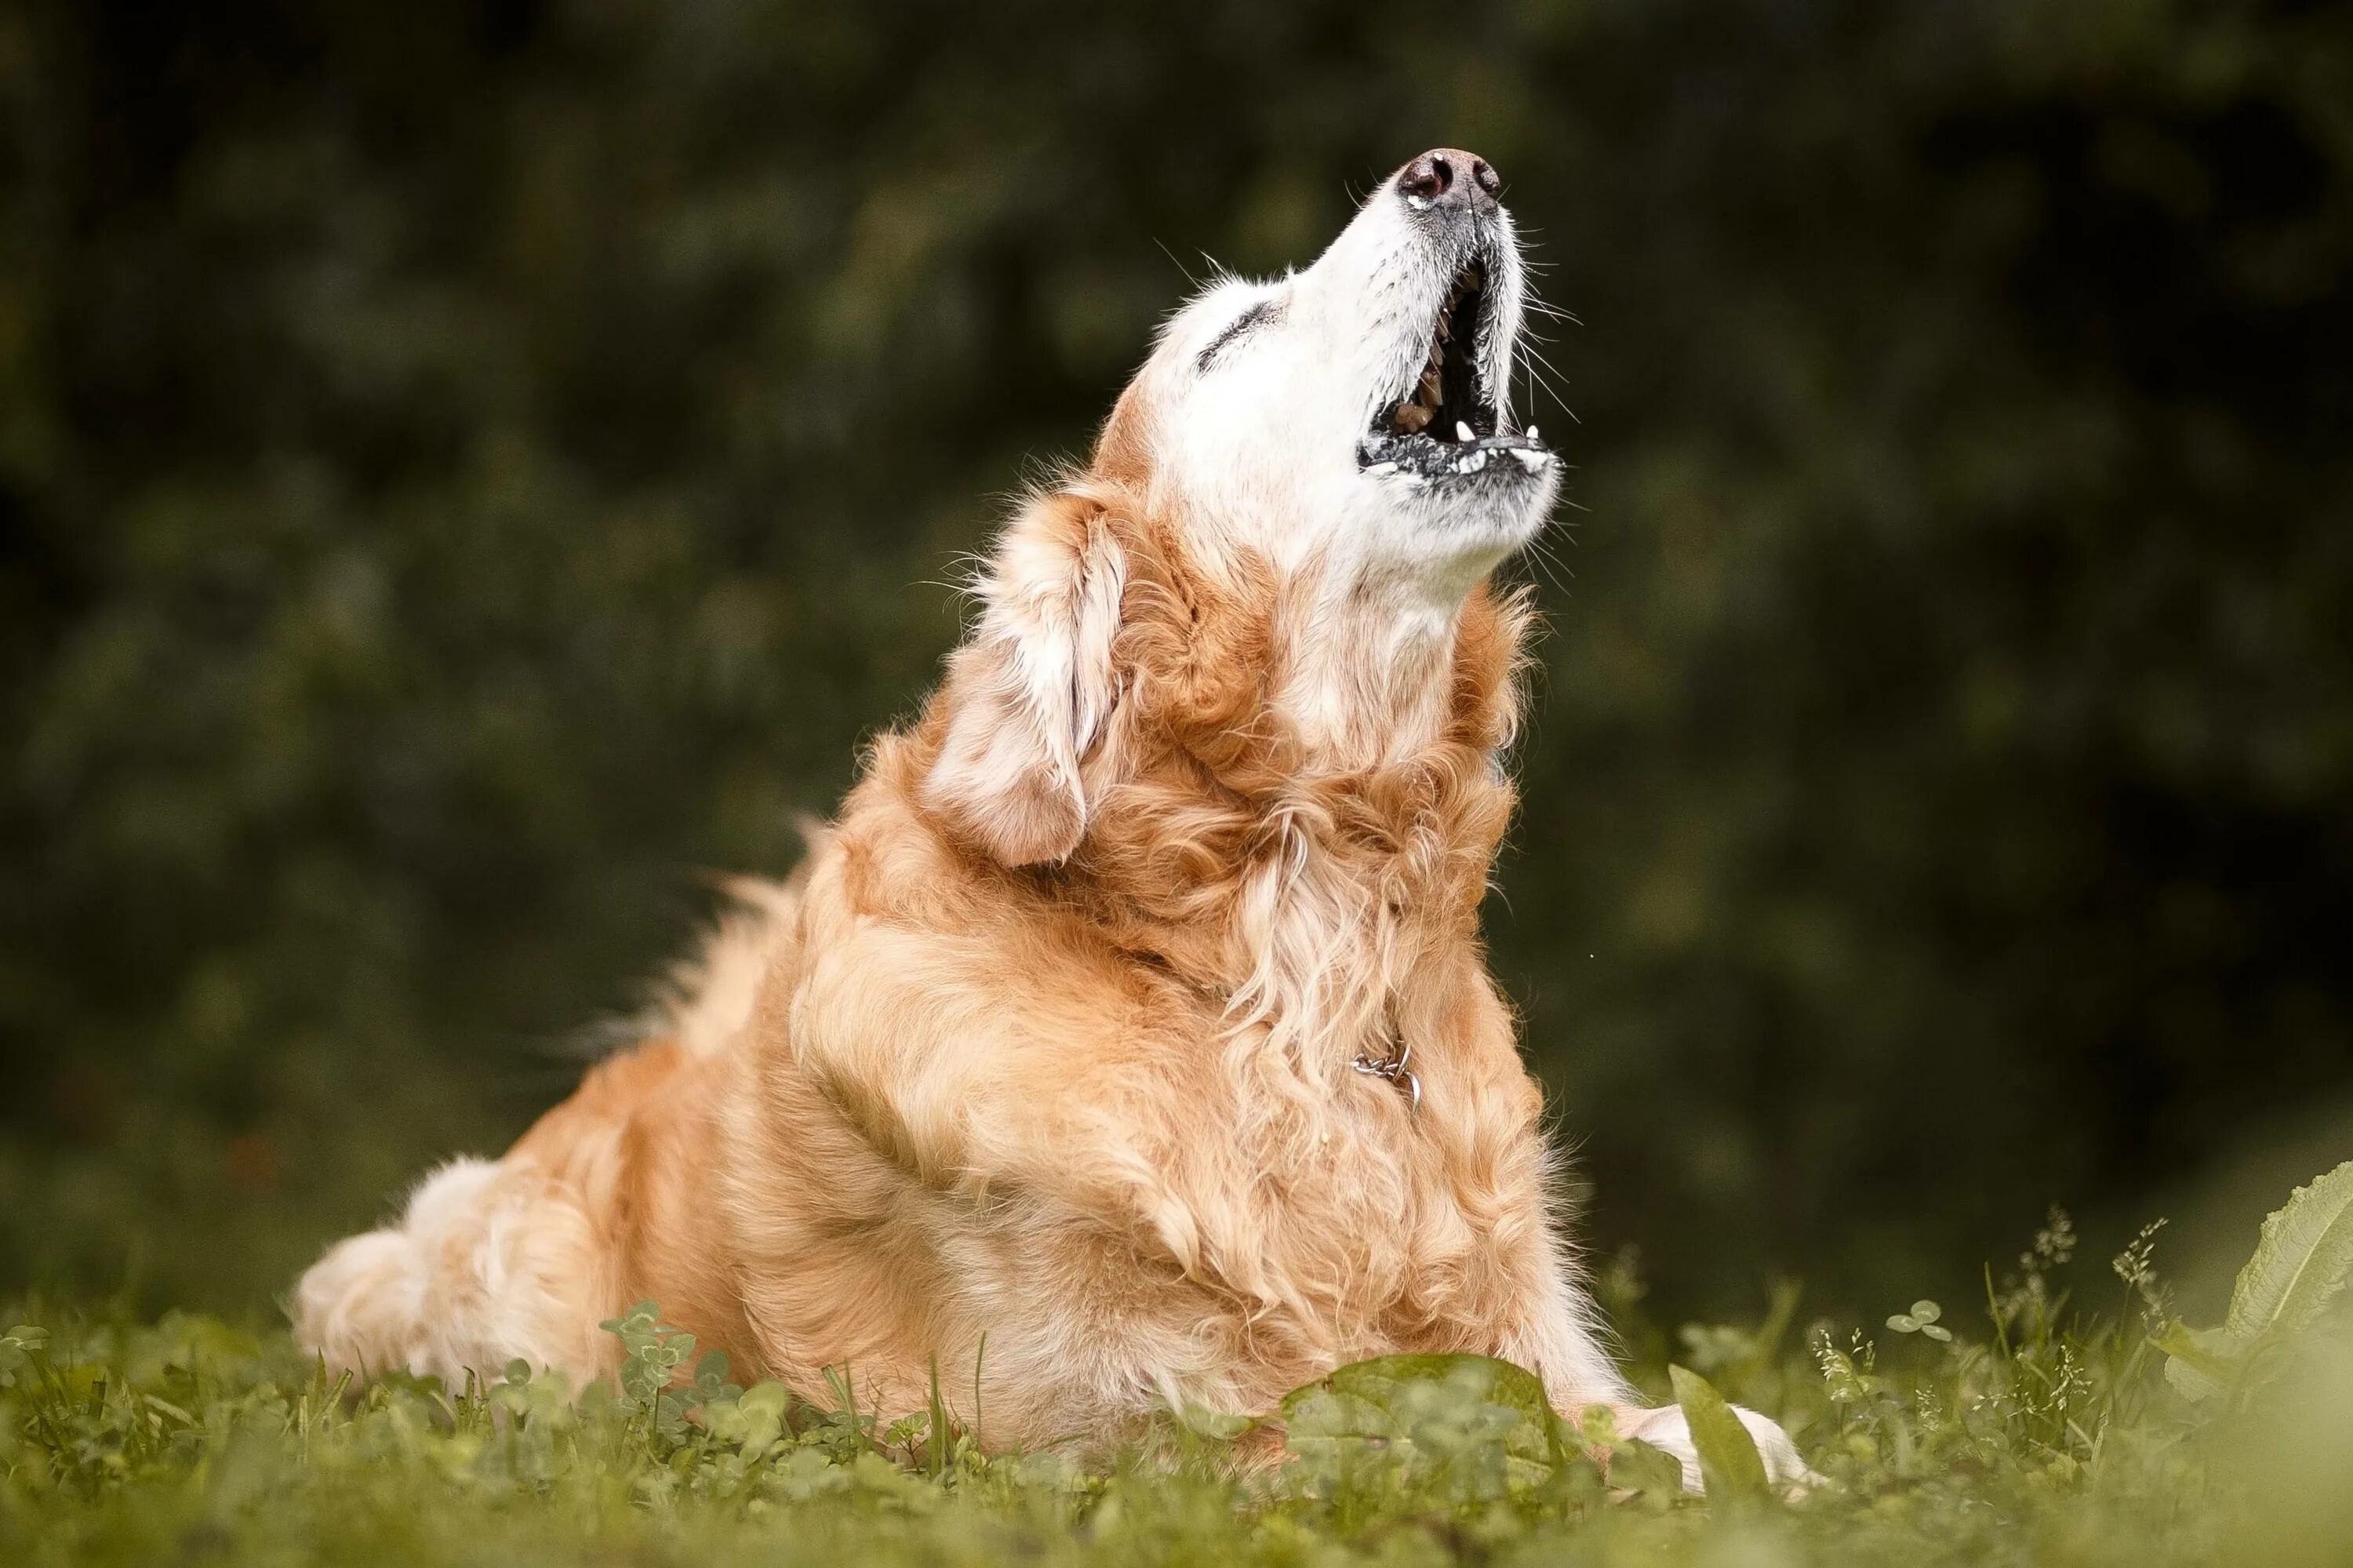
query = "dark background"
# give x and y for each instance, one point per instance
(468, 471)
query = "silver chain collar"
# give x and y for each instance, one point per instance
(1397, 1069)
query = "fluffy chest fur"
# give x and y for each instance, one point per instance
(1139, 1065)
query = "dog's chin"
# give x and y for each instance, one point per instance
(1482, 505)
(1473, 488)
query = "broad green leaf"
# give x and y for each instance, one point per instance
(1729, 1460)
(1475, 1428)
(2198, 1361)
(2301, 1261)
(1654, 1476)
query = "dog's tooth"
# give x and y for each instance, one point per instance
(1462, 432)
(1382, 468)
(1532, 434)
(1412, 418)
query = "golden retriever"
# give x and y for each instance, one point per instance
(1133, 1015)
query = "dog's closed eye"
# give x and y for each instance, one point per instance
(1257, 315)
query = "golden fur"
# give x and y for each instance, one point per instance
(1052, 1040)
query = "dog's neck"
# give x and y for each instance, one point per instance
(1287, 795)
(1365, 673)
(1310, 797)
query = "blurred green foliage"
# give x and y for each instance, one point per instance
(467, 469)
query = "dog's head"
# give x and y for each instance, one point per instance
(1336, 447)
(1355, 418)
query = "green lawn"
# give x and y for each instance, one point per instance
(2031, 1428)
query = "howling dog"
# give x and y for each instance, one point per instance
(1133, 1015)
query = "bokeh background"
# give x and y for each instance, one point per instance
(469, 470)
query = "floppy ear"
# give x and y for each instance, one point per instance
(1029, 694)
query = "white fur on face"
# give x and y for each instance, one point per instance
(1260, 395)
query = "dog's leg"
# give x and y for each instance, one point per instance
(490, 1263)
(1556, 1331)
(1587, 1380)
(1662, 1427)
(1666, 1428)
(1549, 1324)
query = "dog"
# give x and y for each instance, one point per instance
(1132, 1019)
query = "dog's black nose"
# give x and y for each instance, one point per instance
(1449, 176)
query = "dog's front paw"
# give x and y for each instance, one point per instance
(1666, 1430)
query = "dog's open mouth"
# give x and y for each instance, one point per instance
(1444, 423)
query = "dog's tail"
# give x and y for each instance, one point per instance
(710, 996)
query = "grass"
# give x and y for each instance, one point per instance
(2046, 1432)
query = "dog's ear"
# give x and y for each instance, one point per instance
(1031, 692)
